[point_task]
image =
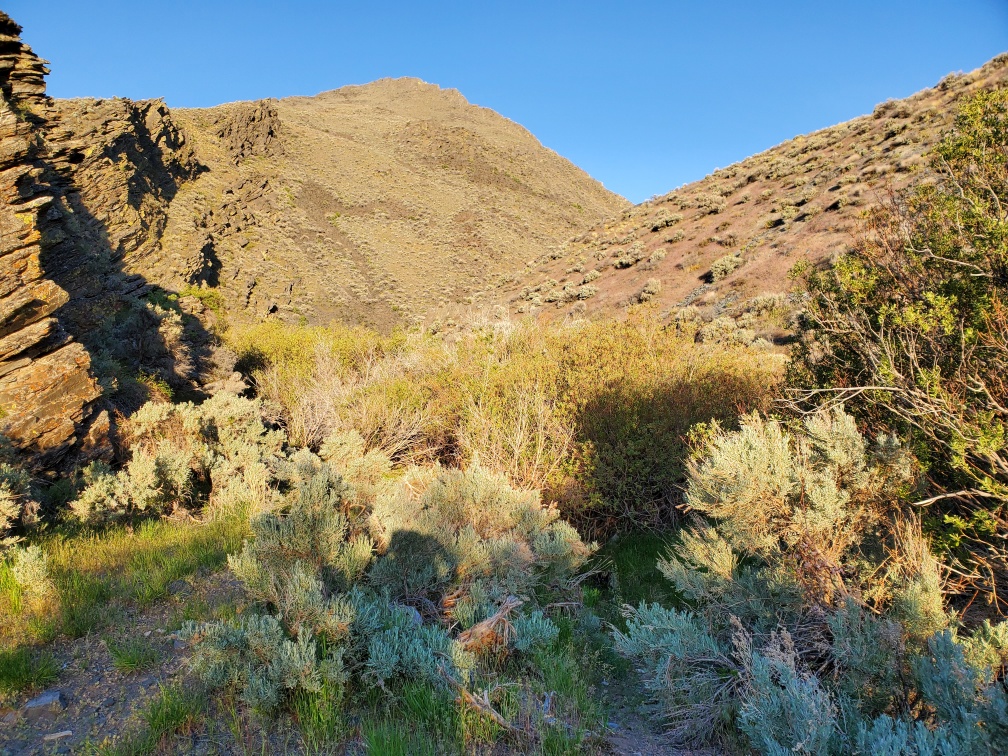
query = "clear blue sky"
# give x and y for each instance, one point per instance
(643, 96)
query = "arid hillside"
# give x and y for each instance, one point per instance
(371, 204)
(129, 231)
(736, 233)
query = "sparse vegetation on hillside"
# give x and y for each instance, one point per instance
(800, 200)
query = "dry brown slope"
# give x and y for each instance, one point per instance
(375, 204)
(798, 200)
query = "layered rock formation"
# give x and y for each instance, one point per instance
(47, 392)
(85, 188)
(115, 166)
(249, 129)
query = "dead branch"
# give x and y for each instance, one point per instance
(494, 630)
(481, 704)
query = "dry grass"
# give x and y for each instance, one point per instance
(594, 414)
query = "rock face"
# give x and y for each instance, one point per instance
(115, 166)
(249, 129)
(47, 392)
(85, 187)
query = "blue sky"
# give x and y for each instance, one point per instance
(643, 96)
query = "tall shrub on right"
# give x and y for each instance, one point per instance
(910, 329)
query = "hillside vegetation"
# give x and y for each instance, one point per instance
(375, 204)
(654, 533)
(717, 243)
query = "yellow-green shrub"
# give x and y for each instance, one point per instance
(594, 414)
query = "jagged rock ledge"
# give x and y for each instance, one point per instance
(47, 392)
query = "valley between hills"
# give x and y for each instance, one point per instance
(365, 423)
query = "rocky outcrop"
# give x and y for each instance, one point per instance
(115, 166)
(47, 391)
(249, 129)
(85, 187)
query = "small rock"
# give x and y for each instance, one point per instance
(178, 645)
(109, 702)
(414, 615)
(46, 704)
(57, 735)
(147, 634)
(8, 716)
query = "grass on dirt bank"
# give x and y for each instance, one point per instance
(93, 578)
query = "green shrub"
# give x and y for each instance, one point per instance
(630, 257)
(25, 669)
(350, 594)
(15, 500)
(812, 618)
(178, 452)
(651, 289)
(909, 327)
(724, 266)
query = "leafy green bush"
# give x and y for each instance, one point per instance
(909, 328)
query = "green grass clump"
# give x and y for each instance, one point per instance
(211, 298)
(24, 669)
(173, 711)
(391, 738)
(96, 574)
(133, 654)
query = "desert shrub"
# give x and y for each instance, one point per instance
(30, 569)
(590, 276)
(630, 257)
(15, 500)
(710, 204)
(796, 633)
(909, 327)
(185, 455)
(664, 219)
(651, 289)
(470, 530)
(593, 414)
(143, 352)
(765, 304)
(725, 330)
(347, 597)
(724, 266)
